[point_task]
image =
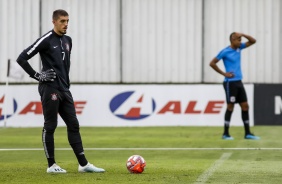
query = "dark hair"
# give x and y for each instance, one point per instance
(58, 13)
(231, 35)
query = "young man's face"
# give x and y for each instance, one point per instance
(61, 25)
(236, 40)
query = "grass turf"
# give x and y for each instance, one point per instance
(163, 166)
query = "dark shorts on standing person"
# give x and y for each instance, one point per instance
(235, 92)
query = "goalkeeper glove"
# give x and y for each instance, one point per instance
(48, 75)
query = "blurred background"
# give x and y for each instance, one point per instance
(148, 41)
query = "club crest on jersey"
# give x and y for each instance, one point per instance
(54, 96)
(67, 46)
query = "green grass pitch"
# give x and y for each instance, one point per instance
(173, 155)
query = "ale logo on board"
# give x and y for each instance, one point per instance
(132, 105)
(10, 110)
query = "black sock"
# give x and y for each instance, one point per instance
(226, 128)
(227, 119)
(79, 153)
(245, 118)
(48, 145)
(81, 159)
(51, 161)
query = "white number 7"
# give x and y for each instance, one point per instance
(63, 55)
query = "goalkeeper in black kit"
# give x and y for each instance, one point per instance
(55, 49)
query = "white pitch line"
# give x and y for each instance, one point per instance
(203, 178)
(155, 149)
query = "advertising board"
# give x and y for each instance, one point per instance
(127, 105)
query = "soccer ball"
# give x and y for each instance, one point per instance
(135, 164)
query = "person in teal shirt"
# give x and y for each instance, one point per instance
(233, 86)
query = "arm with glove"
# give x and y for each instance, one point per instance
(43, 76)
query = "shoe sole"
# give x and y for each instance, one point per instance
(57, 172)
(227, 138)
(252, 138)
(91, 171)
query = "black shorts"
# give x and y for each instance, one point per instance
(235, 92)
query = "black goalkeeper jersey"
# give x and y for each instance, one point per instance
(55, 53)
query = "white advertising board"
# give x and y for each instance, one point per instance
(127, 105)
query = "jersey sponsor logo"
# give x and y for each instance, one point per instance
(132, 105)
(10, 110)
(55, 46)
